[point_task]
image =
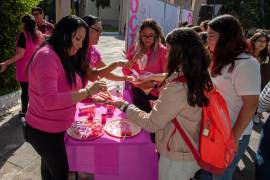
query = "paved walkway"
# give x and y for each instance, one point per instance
(18, 161)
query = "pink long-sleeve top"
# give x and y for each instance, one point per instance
(157, 65)
(51, 108)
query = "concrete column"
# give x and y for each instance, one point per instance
(63, 8)
(123, 15)
(196, 9)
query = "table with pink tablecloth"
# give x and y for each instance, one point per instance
(111, 158)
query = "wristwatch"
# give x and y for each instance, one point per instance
(124, 106)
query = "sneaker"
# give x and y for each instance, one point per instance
(23, 121)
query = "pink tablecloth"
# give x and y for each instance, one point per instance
(112, 158)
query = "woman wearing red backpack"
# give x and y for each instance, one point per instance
(236, 75)
(187, 60)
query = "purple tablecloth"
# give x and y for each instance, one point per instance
(112, 158)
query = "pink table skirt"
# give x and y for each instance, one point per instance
(112, 158)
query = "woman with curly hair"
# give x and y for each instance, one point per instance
(188, 60)
(236, 74)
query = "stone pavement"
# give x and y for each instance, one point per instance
(18, 161)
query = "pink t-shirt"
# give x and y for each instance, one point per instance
(94, 56)
(21, 64)
(50, 103)
(157, 65)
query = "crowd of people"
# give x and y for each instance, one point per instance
(55, 63)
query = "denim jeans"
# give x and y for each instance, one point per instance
(262, 164)
(242, 146)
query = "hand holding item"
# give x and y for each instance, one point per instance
(116, 103)
(96, 87)
(130, 78)
(98, 99)
(145, 84)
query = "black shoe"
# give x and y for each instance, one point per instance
(21, 114)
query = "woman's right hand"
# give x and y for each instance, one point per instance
(96, 87)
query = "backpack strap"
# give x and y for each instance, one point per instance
(186, 139)
(180, 129)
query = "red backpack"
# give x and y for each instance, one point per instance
(217, 146)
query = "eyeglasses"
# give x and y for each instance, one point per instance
(97, 30)
(148, 37)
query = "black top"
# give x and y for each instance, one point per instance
(21, 41)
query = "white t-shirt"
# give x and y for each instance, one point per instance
(245, 79)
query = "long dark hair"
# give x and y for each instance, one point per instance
(230, 44)
(263, 53)
(61, 42)
(91, 20)
(187, 54)
(30, 27)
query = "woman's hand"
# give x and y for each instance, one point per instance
(130, 78)
(116, 103)
(96, 87)
(3, 67)
(144, 84)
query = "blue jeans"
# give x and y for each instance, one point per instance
(262, 164)
(242, 146)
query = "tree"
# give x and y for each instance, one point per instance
(49, 8)
(10, 15)
(101, 3)
(251, 13)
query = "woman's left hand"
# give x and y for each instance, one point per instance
(144, 85)
(116, 103)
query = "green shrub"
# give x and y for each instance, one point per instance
(10, 25)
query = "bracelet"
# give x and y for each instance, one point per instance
(88, 92)
(124, 106)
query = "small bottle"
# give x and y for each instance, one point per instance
(103, 119)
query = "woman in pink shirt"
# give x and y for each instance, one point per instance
(58, 75)
(27, 43)
(147, 55)
(94, 56)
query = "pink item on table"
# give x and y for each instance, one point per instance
(110, 109)
(103, 119)
(88, 108)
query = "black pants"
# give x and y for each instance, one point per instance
(51, 148)
(24, 96)
(141, 100)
